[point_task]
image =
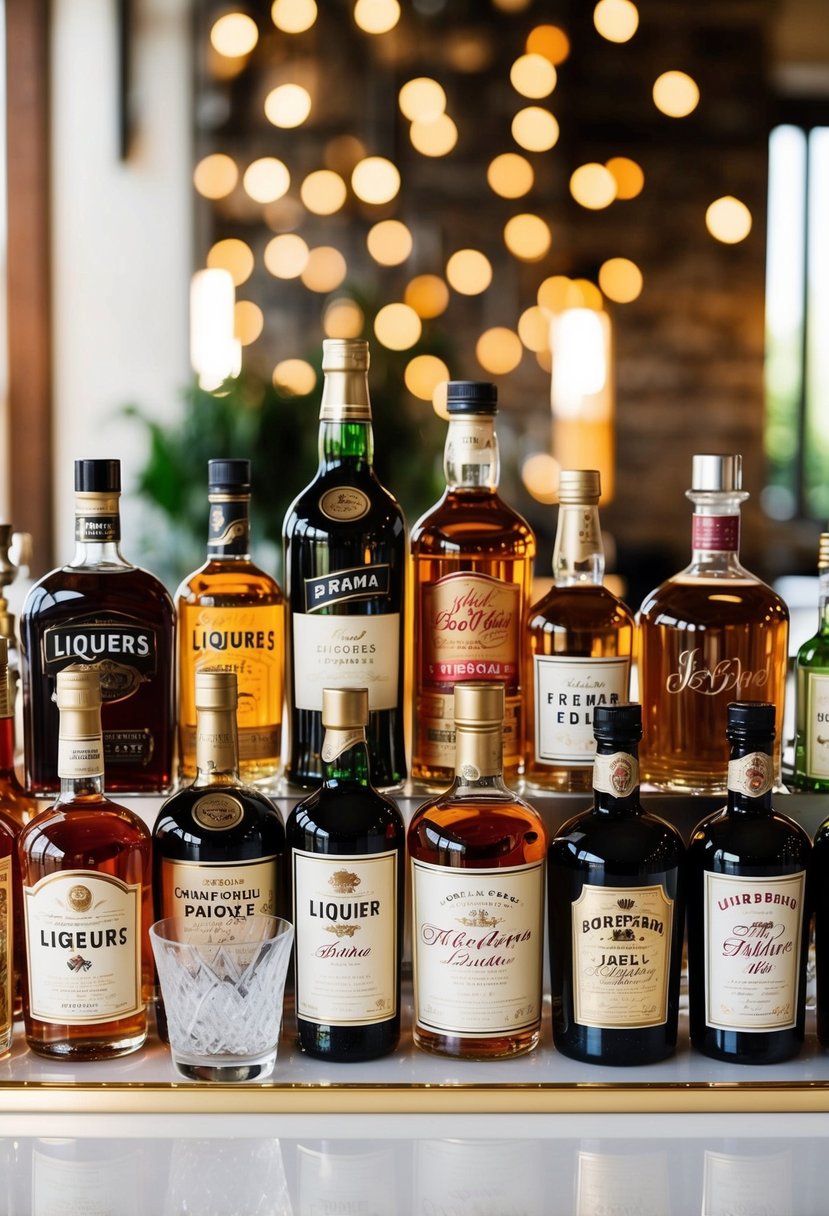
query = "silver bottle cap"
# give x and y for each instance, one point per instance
(717, 473)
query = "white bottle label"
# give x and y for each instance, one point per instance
(345, 922)
(621, 956)
(474, 1177)
(346, 652)
(363, 1183)
(477, 940)
(751, 775)
(616, 774)
(615, 1182)
(83, 946)
(756, 1184)
(62, 1187)
(817, 725)
(753, 933)
(470, 441)
(216, 898)
(567, 690)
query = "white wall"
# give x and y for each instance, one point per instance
(121, 238)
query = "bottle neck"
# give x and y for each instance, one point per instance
(751, 775)
(345, 758)
(479, 760)
(715, 530)
(217, 748)
(80, 753)
(823, 601)
(471, 459)
(346, 443)
(345, 435)
(578, 554)
(616, 777)
(228, 525)
(97, 531)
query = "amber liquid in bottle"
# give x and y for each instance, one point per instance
(471, 560)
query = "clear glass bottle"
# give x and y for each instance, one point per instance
(579, 646)
(347, 857)
(102, 611)
(231, 617)
(472, 562)
(811, 755)
(712, 634)
(345, 557)
(477, 873)
(616, 912)
(85, 871)
(748, 909)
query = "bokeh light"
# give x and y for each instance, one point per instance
(535, 129)
(294, 16)
(216, 175)
(499, 350)
(439, 400)
(534, 328)
(423, 374)
(266, 179)
(288, 105)
(375, 180)
(533, 76)
(620, 280)
(234, 256)
(549, 41)
(554, 292)
(593, 186)
(397, 326)
(510, 175)
(248, 321)
(675, 94)
(323, 192)
(527, 237)
(630, 179)
(344, 318)
(295, 376)
(469, 271)
(286, 256)
(584, 294)
(389, 242)
(434, 138)
(428, 295)
(325, 269)
(728, 220)
(376, 16)
(234, 34)
(422, 99)
(343, 152)
(540, 475)
(616, 20)
(512, 6)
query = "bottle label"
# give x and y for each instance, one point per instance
(621, 956)
(616, 774)
(216, 898)
(127, 747)
(694, 674)
(97, 518)
(471, 627)
(579, 535)
(346, 652)
(817, 725)
(477, 937)
(121, 649)
(470, 442)
(567, 690)
(363, 1183)
(81, 757)
(62, 1186)
(344, 503)
(6, 932)
(83, 947)
(217, 812)
(634, 1183)
(338, 741)
(357, 583)
(751, 775)
(751, 1182)
(753, 936)
(715, 533)
(346, 925)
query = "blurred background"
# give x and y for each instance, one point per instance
(616, 211)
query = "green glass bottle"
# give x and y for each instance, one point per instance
(811, 757)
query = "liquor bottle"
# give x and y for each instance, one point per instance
(85, 871)
(616, 913)
(347, 850)
(811, 755)
(101, 611)
(748, 911)
(472, 558)
(579, 645)
(477, 860)
(712, 634)
(231, 617)
(345, 545)
(218, 844)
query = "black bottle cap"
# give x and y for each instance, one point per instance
(98, 476)
(229, 474)
(750, 718)
(617, 721)
(471, 397)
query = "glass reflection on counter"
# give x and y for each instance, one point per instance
(479, 1178)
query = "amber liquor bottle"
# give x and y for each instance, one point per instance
(579, 646)
(347, 859)
(85, 872)
(616, 912)
(345, 546)
(748, 909)
(472, 558)
(231, 617)
(106, 613)
(712, 634)
(477, 875)
(811, 756)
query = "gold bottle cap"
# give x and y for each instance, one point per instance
(479, 703)
(78, 687)
(345, 355)
(579, 486)
(823, 552)
(344, 708)
(216, 690)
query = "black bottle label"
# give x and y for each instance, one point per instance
(229, 526)
(122, 650)
(356, 583)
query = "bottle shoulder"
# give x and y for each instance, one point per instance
(734, 838)
(580, 606)
(247, 812)
(341, 813)
(473, 520)
(71, 590)
(88, 817)
(712, 601)
(305, 514)
(593, 837)
(228, 582)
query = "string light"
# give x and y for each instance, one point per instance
(389, 242)
(344, 318)
(422, 99)
(375, 180)
(325, 269)
(376, 16)
(540, 475)
(728, 220)
(293, 16)
(397, 326)
(233, 256)
(629, 176)
(510, 175)
(216, 176)
(535, 129)
(616, 20)
(469, 271)
(288, 105)
(527, 236)
(428, 295)
(423, 374)
(593, 186)
(549, 41)
(434, 138)
(533, 76)
(620, 280)
(323, 192)
(499, 350)
(266, 179)
(286, 256)
(534, 329)
(234, 35)
(675, 94)
(248, 322)
(295, 376)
